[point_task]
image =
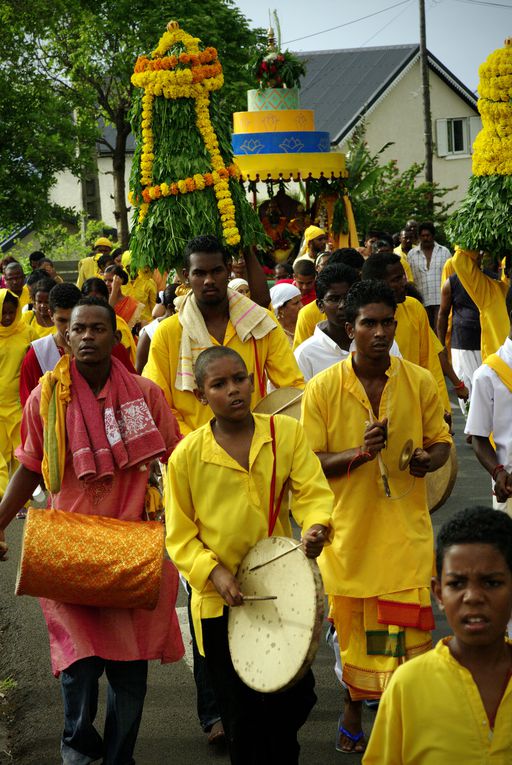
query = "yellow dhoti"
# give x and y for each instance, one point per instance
(376, 635)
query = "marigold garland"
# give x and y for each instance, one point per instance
(162, 77)
(492, 150)
(482, 220)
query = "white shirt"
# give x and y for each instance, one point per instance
(150, 328)
(491, 407)
(428, 280)
(320, 352)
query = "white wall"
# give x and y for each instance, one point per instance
(67, 192)
(106, 184)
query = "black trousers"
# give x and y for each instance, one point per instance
(261, 728)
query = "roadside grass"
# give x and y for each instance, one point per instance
(9, 684)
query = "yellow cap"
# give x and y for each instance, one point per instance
(103, 242)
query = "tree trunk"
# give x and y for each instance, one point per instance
(118, 170)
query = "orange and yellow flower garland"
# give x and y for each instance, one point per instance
(160, 77)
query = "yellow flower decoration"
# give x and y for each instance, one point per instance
(160, 76)
(492, 150)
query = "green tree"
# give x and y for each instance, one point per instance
(85, 51)
(38, 136)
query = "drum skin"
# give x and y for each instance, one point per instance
(281, 401)
(440, 483)
(273, 642)
(91, 560)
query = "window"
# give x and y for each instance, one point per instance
(455, 136)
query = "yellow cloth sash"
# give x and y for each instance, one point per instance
(501, 368)
(55, 397)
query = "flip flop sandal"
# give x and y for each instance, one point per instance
(354, 737)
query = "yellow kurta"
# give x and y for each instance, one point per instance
(417, 342)
(381, 545)
(14, 343)
(143, 289)
(405, 263)
(489, 297)
(432, 714)
(308, 318)
(275, 358)
(87, 268)
(126, 337)
(218, 510)
(29, 317)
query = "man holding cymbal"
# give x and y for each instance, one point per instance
(362, 416)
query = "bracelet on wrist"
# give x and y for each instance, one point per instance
(497, 470)
(460, 385)
(361, 453)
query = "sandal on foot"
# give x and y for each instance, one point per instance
(354, 737)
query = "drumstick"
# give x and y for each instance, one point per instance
(259, 597)
(382, 469)
(281, 555)
(288, 403)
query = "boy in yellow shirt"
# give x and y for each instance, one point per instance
(454, 704)
(219, 508)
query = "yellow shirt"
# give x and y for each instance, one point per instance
(489, 297)
(417, 342)
(380, 545)
(308, 318)
(30, 318)
(432, 713)
(126, 337)
(87, 268)
(275, 358)
(405, 263)
(218, 510)
(143, 289)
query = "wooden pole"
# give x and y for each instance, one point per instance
(427, 116)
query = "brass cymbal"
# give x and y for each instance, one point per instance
(406, 455)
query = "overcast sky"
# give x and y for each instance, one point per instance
(461, 33)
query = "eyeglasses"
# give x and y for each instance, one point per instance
(334, 299)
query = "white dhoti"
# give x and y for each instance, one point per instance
(465, 364)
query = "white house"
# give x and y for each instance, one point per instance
(383, 86)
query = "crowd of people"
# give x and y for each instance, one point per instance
(132, 378)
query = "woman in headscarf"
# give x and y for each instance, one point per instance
(240, 285)
(286, 302)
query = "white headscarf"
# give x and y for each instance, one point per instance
(236, 283)
(281, 293)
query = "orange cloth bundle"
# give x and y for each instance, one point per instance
(91, 560)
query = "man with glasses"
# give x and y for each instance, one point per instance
(330, 342)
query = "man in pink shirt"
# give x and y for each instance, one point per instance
(87, 641)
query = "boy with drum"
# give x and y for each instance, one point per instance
(227, 479)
